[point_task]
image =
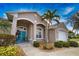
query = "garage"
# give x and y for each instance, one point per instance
(62, 36)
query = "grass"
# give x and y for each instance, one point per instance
(11, 51)
(76, 40)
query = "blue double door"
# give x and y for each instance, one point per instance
(21, 37)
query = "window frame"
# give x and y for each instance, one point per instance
(42, 34)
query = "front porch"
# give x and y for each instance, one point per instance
(26, 31)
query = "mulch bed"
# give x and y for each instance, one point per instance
(20, 52)
(54, 49)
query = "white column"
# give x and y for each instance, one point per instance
(34, 32)
(14, 28)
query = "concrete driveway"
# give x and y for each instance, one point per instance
(32, 51)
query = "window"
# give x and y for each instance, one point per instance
(39, 33)
(21, 28)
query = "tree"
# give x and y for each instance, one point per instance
(50, 16)
(74, 22)
(5, 25)
(71, 34)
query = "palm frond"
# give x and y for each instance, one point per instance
(57, 16)
(49, 15)
(56, 20)
(54, 12)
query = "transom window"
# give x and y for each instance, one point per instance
(21, 28)
(39, 33)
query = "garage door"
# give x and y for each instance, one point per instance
(62, 36)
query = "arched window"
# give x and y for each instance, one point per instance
(39, 33)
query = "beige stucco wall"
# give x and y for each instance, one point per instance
(60, 27)
(51, 35)
(32, 17)
(35, 19)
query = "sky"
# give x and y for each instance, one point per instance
(64, 10)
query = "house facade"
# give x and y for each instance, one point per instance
(29, 26)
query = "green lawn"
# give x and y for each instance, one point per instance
(77, 40)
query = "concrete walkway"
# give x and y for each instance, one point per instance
(32, 51)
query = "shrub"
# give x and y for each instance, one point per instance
(6, 39)
(6, 36)
(66, 44)
(36, 44)
(7, 51)
(58, 44)
(73, 44)
(10, 51)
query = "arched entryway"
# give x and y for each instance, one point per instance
(24, 31)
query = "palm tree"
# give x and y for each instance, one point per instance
(50, 16)
(5, 25)
(74, 22)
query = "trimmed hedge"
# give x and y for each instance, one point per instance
(7, 39)
(36, 44)
(58, 44)
(6, 36)
(61, 44)
(73, 44)
(66, 44)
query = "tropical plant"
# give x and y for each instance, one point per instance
(74, 22)
(5, 25)
(50, 16)
(11, 51)
(71, 34)
(10, 17)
